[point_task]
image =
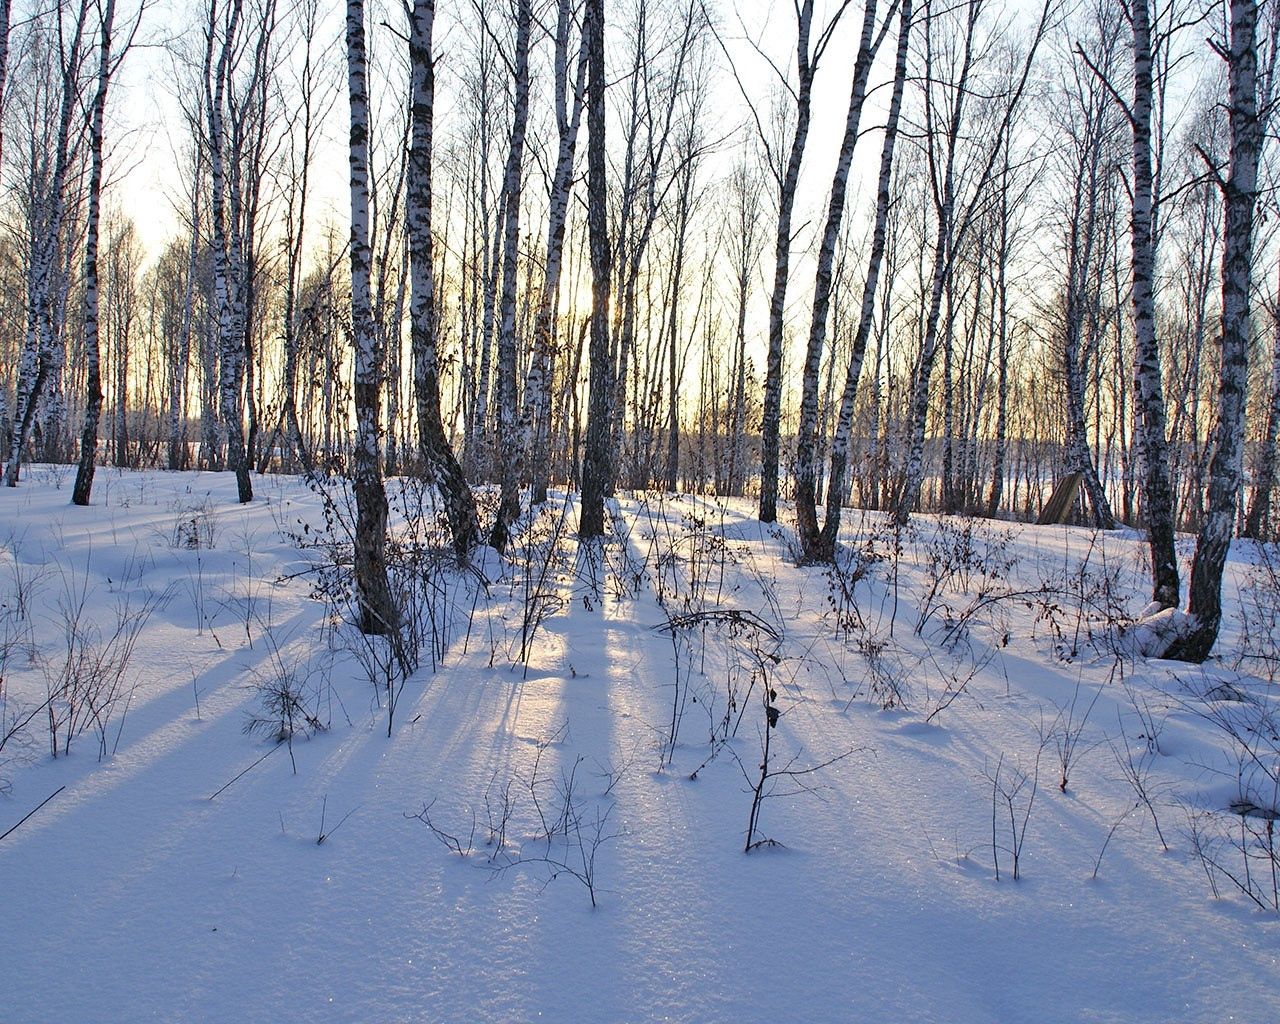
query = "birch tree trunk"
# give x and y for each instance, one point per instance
(684, 201)
(6, 11)
(596, 461)
(1001, 329)
(742, 231)
(822, 547)
(378, 613)
(509, 440)
(806, 468)
(771, 420)
(295, 238)
(1080, 289)
(1258, 522)
(441, 464)
(954, 216)
(1157, 503)
(944, 246)
(1240, 193)
(231, 368)
(38, 364)
(534, 418)
(93, 405)
(180, 354)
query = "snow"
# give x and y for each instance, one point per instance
(132, 895)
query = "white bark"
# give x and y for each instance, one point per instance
(771, 422)
(596, 461)
(377, 610)
(806, 469)
(93, 406)
(39, 367)
(226, 269)
(954, 214)
(1240, 193)
(438, 456)
(1157, 498)
(535, 413)
(508, 439)
(824, 546)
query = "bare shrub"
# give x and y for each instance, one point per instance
(568, 829)
(293, 696)
(1236, 843)
(85, 682)
(1259, 605)
(195, 525)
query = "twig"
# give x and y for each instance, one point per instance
(31, 812)
(247, 770)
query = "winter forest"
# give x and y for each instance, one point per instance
(647, 510)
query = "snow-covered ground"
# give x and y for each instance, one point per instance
(923, 685)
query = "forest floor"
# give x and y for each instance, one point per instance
(555, 828)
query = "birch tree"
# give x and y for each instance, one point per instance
(806, 469)
(377, 609)
(1157, 499)
(742, 242)
(6, 12)
(567, 97)
(1087, 179)
(304, 136)
(48, 205)
(650, 170)
(809, 53)
(1240, 194)
(822, 545)
(1152, 430)
(957, 202)
(438, 456)
(509, 441)
(596, 462)
(93, 405)
(1258, 522)
(221, 38)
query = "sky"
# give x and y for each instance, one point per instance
(151, 135)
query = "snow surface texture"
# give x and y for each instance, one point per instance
(933, 691)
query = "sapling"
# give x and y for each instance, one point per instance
(1135, 765)
(1067, 729)
(323, 834)
(1013, 796)
(762, 785)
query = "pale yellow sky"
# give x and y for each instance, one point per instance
(147, 166)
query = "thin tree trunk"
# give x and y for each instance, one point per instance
(1225, 473)
(509, 440)
(93, 404)
(771, 421)
(39, 365)
(596, 460)
(535, 421)
(824, 545)
(1258, 522)
(806, 469)
(1157, 503)
(377, 609)
(441, 463)
(230, 338)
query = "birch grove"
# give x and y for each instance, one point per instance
(881, 254)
